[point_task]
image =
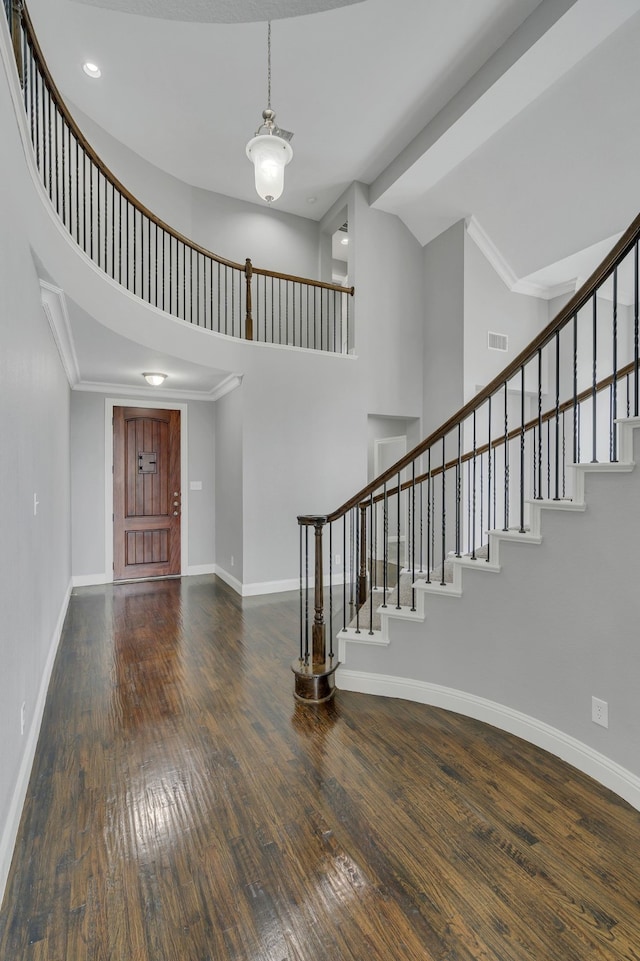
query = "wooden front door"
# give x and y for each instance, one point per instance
(146, 492)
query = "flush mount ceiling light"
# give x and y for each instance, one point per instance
(270, 150)
(92, 69)
(154, 378)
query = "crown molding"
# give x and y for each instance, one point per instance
(55, 307)
(506, 273)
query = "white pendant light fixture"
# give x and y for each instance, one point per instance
(270, 150)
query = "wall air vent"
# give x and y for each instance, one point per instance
(497, 341)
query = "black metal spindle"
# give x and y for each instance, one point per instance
(481, 498)
(330, 589)
(495, 488)
(522, 449)
(77, 192)
(90, 208)
(506, 459)
(539, 485)
(636, 325)
(357, 562)
(489, 479)
(347, 338)
(413, 534)
(371, 570)
(430, 519)
(36, 98)
(113, 239)
(98, 218)
(614, 384)
(385, 544)
(564, 457)
(306, 600)
(468, 507)
(444, 511)
(302, 618)
(575, 389)
(421, 501)
(398, 541)
(556, 495)
(548, 460)
(50, 152)
(57, 159)
(594, 457)
(344, 572)
(473, 488)
(458, 481)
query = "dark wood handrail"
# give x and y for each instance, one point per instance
(571, 308)
(139, 206)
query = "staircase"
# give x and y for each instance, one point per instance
(524, 640)
(509, 608)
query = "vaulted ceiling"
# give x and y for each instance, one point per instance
(518, 112)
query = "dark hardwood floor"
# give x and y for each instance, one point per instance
(183, 807)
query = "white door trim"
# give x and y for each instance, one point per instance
(109, 404)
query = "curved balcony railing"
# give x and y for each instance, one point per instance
(555, 405)
(146, 256)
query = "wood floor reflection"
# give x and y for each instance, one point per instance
(182, 807)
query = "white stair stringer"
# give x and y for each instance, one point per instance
(527, 650)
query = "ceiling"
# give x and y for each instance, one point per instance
(521, 114)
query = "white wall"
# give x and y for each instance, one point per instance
(229, 485)
(385, 264)
(272, 239)
(443, 311)
(166, 196)
(490, 306)
(35, 565)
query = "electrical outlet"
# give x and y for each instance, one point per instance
(338, 560)
(23, 710)
(599, 712)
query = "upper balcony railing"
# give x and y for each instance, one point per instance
(556, 404)
(146, 256)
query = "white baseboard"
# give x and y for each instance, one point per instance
(229, 579)
(607, 772)
(89, 580)
(270, 587)
(290, 584)
(195, 569)
(10, 829)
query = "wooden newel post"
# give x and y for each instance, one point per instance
(248, 328)
(16, 30)
(362, 575)
(315, 675)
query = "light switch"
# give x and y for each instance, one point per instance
(195, 485)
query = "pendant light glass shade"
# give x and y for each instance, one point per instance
(269, 154)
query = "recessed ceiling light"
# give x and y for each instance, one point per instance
(344, 241)
(154, 378)
(92, 69)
